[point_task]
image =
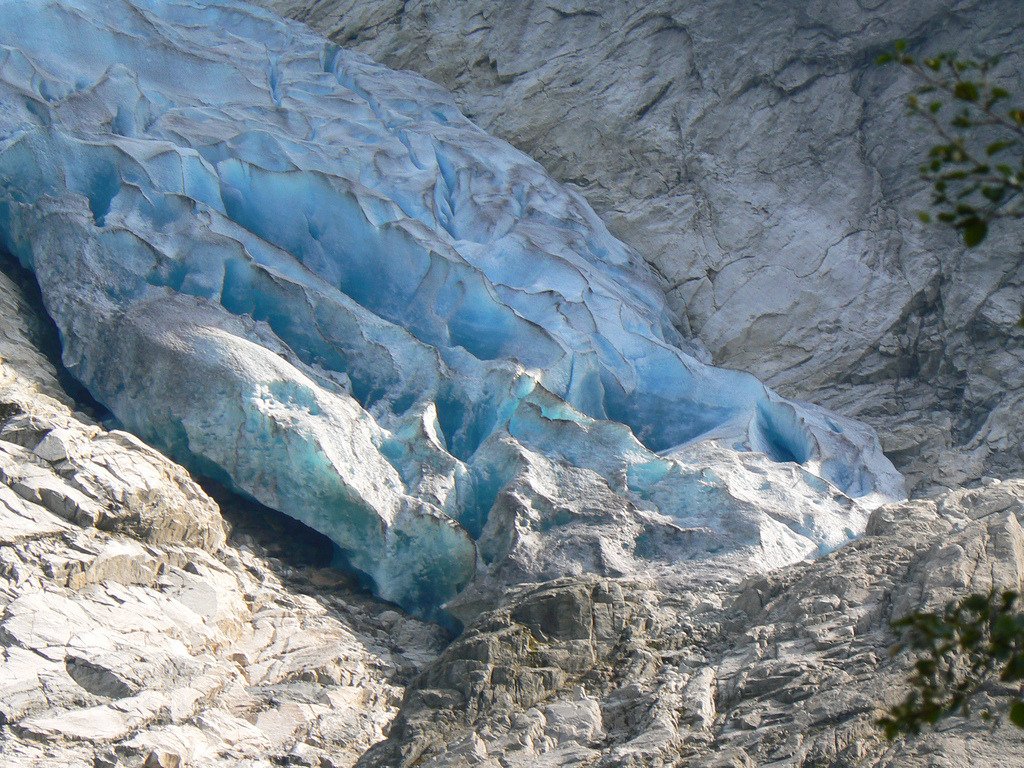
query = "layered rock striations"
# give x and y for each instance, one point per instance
(312, 279)
(767, 169)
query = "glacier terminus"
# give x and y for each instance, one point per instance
(312, 279)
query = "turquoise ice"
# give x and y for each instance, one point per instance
(313, 279)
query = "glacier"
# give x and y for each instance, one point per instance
(314, 280)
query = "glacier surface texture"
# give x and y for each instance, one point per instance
(311, 278)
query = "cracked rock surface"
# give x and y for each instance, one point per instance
(135, 631)
(790, 669)
(759, 160)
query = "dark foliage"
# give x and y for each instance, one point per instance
(975, 643)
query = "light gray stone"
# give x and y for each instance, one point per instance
(132, 633)
(791, 668)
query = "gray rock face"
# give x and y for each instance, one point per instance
(788, 669)
(134, 633)
(762, 163)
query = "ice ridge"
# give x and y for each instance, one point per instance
(313, 279)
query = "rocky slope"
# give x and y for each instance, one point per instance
(756, 156)
(789, 669)
(134, 632)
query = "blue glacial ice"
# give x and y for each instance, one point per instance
(313, 279)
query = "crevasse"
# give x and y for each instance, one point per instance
(313, 279)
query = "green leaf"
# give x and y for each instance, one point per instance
(966, 90)
(925, 217)
(900, 46)
(1014, 669)
(995, 194)
(885, 58)
(974, 232)
(1017, 713)
(997, 146)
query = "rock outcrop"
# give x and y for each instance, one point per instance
(135, 631)
(792, 668)
(763, 164)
